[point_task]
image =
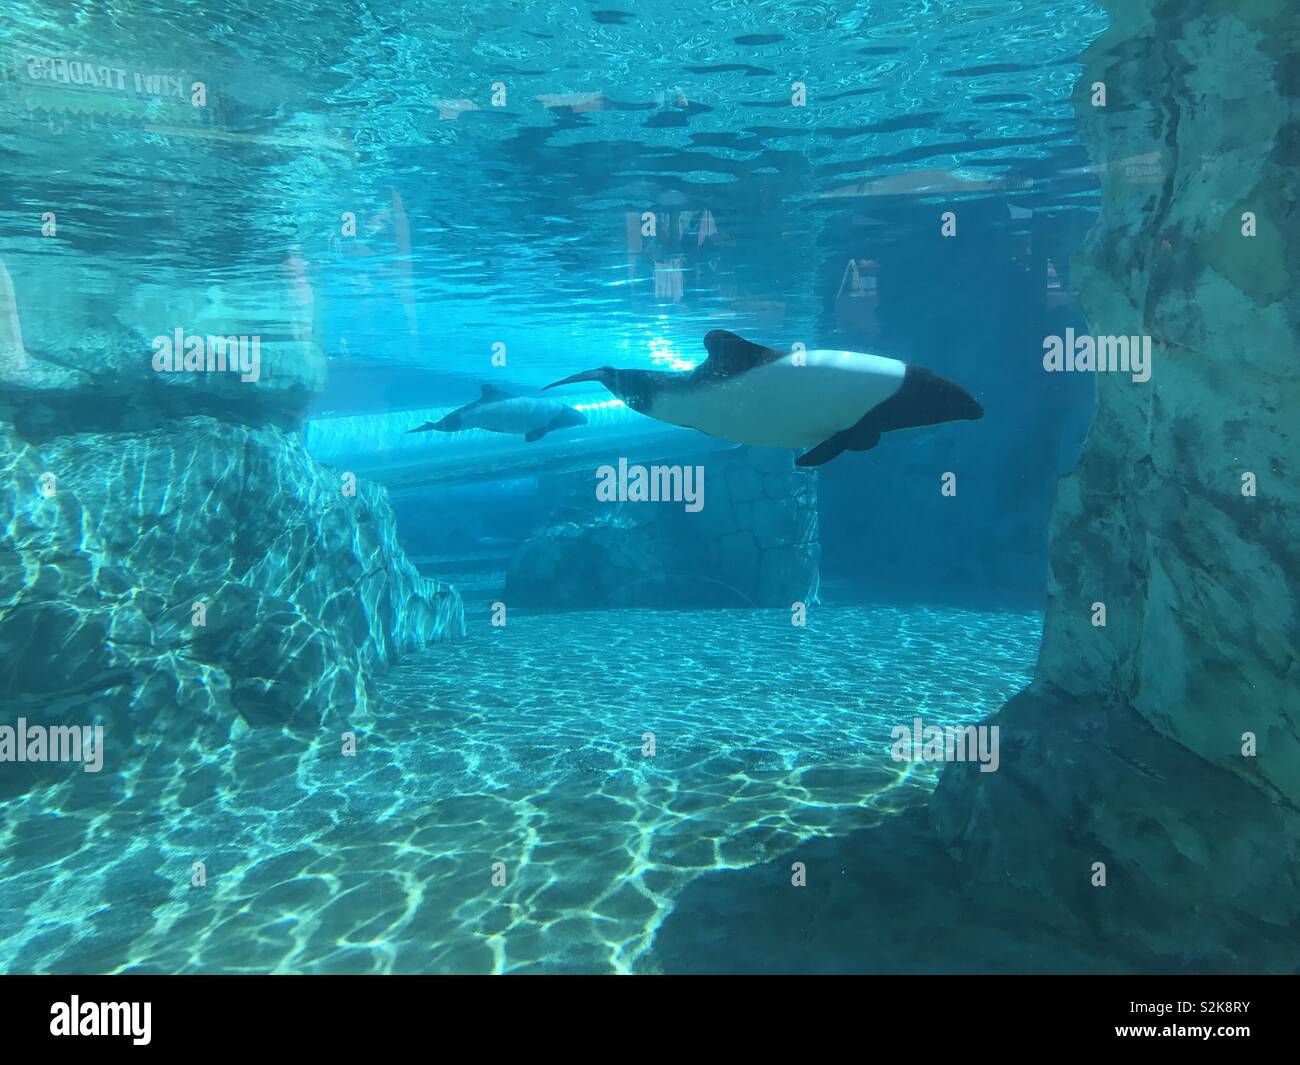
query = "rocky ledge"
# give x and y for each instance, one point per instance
(753, 541)
(174, 566)
(1146, 812)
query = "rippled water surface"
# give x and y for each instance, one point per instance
(492, 152)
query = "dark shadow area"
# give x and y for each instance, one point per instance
(974, 306)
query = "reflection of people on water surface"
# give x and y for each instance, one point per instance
(302, 298)
(13, 355)
(857, 299)
(683, 249)
(383, 235)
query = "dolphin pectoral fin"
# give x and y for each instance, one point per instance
(423, 428)
(537, 434)
(828, 449)
(823, 452)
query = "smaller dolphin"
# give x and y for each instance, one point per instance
(500, 412)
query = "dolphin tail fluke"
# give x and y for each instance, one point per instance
(442, 425)
(603, 374)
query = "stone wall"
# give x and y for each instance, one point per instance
(753, 542)
(133, 504)
(1128, 749)
(1132, 748)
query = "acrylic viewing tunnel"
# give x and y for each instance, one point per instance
(378, 446)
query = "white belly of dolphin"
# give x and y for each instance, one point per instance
(784, 405)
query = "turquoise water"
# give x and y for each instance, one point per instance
(382, 701)
(523, 746)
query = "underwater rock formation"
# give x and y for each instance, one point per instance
(1166, 743)
(300, 589)
(47, 383)
(754, 542)
(1131, 747)
(173, 564)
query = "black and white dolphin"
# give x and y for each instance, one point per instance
(829, 401)
(500, 412)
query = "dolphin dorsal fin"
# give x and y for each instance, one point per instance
(489, 393)
(730, 355)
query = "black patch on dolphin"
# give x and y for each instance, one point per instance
(924, 398)
(730, 355)
(828, 449)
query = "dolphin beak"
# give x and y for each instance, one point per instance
(586, 375)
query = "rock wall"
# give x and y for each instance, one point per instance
(173, 564)
(1161, 747)
(1132, 746)
(754, 542)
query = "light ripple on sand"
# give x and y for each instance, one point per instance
(520, 745)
